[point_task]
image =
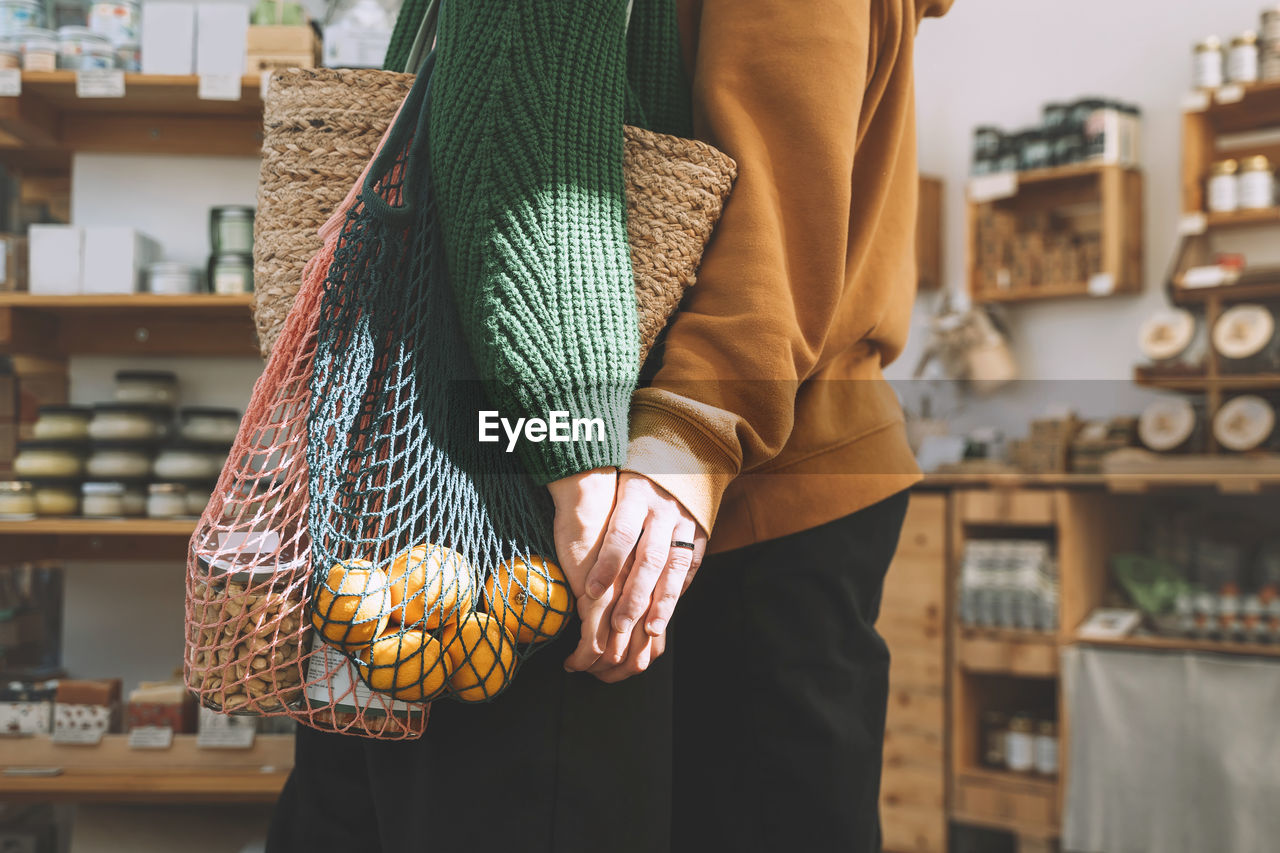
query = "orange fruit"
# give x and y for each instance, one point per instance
(531, 598)
(351, 607)
(430, 584)
(407, 665)
(482, 655)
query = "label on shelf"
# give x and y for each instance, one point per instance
(151, 737)
(76, 735)
(1232, 94)
(1192, 224)
(219, 87)
(10, 82)
(100, 83)
(1196, 102)
(218, 731)
(994, 187)
(1102, 284)
(264, 83)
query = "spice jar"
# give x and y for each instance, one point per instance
(1046, 748)
(17, 501)
(153, 387)
(1245, 423)
(102, 500)
(39, 50)
(166, 500)
(64, 423)
(186, 461)
(1174, 337)
(231, 274)
(1170, 425)
(1224, 187)
(170, 277)
(1207, 70)
(57, 497)
(1019, 744)
(119, 462)
(1242, 59)
(1257, 190)
(49, 459)
(209, 425)
(1245, 337)
(231, 230)
(129, 422)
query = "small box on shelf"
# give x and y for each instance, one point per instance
(272, 47)
(169, 38)
(115, 257)
(57, 253)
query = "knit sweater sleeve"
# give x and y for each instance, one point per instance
(526, 155)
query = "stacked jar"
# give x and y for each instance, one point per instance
(17, 19)
(125, 435)
(52, 463)
(1021, 742)
(231, 239)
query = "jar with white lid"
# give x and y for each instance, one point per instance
(1171, 425)
(1207, 71)
(129, 422)
(184, 461)
(208, 425)
(1224, 187)
(39, 50)
(167, 500)
(1019, 744)
(231, 274)
(1245, 423)
(231, 230)
(119, 462)
(102, 500)
(57, 498)
(1175, 338)
(1245, 337)
(17, 501)
(1242, 58)
(170, 277)
(62, 423)
(1257, 181)
(153, 387)
(49, 459)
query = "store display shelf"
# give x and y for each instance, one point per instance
(1067, 173)
(1046, 785)
(1238, 292)
(128, 324)
(1252, 107)
(112, 772)
(1243, 218)
(1041, 292)
(1192, 382)
(1183, 644)
(96, 539)
(1015, 802)
(999, 651)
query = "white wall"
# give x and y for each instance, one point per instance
(997, 62)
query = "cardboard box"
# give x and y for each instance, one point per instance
(168, 38)
(84, 711)
(56, 262)
(282, 40)
(162, 704)
(222, 36)
(115, 257)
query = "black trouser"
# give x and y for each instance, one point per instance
(780, 690)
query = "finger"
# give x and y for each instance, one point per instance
(671, 585)
(644, 651)
(699, 551)
(651, 557)
(594, 614)
(626, 523)
(616, 643)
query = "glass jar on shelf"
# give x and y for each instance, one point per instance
(1242, 58)
(119, 461)
(49, 459)
(150, 387)
(129, 422)
(166, 500)
(1019, 744)
(57, 498)
(1208, 70)
(17, 501)
(1224, 187)
(39, 50)
(102, 500)
(1257, 183)
(231, 230)
(62, 423)
(231, 274)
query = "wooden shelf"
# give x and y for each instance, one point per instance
(112, 772)
(1243, 218)
(1227, 293)
(128, 324)
(1055, 174)
(96, 539)
(1015, 802)
(1192, 383)
(1183, 644)
(1035, 294)
(158, 114)
(1259, 108)
(1047, 785)
(997, 651)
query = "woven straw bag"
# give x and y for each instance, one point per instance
(323, 126)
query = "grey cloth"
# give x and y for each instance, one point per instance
(1171, 752)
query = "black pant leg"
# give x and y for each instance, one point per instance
(326, 803)
(781, 686)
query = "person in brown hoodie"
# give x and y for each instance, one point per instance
(768, 437)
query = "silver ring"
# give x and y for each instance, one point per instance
(676, 543)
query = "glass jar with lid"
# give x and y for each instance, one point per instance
(188, 461)
(152, 387)
(171, 277)
(166, 500)
(102, 500)
(57, 498)
(1019, 744)
(208, 425)
(1224, 187)
(118, 21)
(62, 423)
(39, 50)
(18, 15)
(1257, 190)
(1245, 337)
(1242, 58)
(81, 49)
(1171, 425)
(129, 422)
(1245, 423)
(17, 501)
(231, 230)
(119, 461)
(1046, 748)
(1209, 66)
(1175, 338)
(49, 459)
(10, 52)
(231, 274)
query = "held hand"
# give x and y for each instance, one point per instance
(583, 504)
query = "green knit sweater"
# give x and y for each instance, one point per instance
(528, 102)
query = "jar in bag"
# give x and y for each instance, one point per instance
(1245, 338)
(1174, 338)
(1242, 59)
(1224, 187)
(1245, 423)
(1208, 68)
(1257, 181)
(1170, 425)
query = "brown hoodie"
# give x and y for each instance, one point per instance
(769, 413)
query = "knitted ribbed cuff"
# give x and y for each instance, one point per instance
(586, 429)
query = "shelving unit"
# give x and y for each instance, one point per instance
(96, 539)
(1113, 193)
